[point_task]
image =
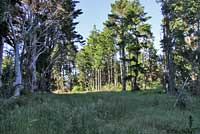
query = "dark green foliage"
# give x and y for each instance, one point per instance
(7, 77)
(13, 2)
(3, 4)
(4, 29)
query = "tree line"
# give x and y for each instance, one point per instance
(40, 44)
(123, 53)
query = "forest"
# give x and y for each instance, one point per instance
(53, 81)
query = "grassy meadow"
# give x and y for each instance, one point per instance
(146, 112)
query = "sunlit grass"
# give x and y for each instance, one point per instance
(80, 92)
(97, 113)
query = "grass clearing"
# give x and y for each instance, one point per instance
(97, 113)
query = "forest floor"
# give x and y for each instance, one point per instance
(146, 112)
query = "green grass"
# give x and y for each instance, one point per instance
(97, 113)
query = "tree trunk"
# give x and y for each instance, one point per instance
(1, 58)
(120, 66)
(18, 75)
(100, 79)
(34, 55)
(109, 74)
(111, 71)
(169, 55)
(123, 69)
(33, 71)
(198, 49)
(171, 77)
(98, 72)
(132, 84)
(32, 64)
(115, 71)
(96, 79)
(136, 87)
(93, 81)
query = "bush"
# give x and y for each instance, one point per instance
(112, 87)
(77, 89)
(25, 91)
(194, 87)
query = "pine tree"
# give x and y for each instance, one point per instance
(127, 20)
(180, 30)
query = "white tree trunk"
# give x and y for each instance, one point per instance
(32, 64)
(33, 75)
(18, 75)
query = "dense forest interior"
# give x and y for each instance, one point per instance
(41, 51)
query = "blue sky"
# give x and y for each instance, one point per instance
(95, 12)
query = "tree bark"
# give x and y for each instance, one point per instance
(123, 69)
(18, 75)
(93, 81)
(111, 71)
(33, 71)
(35, 52)
(169, 55)
(32, 64)
(96, 79)
(171, 77)
(109, 74)
(136, 87)
(120, 66)
(1, 59)
(115, 71)
(100, 79)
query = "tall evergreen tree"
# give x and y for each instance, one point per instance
(126, 18)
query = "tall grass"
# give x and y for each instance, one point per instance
(97, 113)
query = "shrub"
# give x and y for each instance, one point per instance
(77, 89)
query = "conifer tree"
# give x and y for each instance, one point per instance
(127, 20)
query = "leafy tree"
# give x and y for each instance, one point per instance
(39, 31)
(15, 39)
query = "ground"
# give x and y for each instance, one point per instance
(147, 112)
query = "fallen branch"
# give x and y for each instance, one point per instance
(181, 92)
